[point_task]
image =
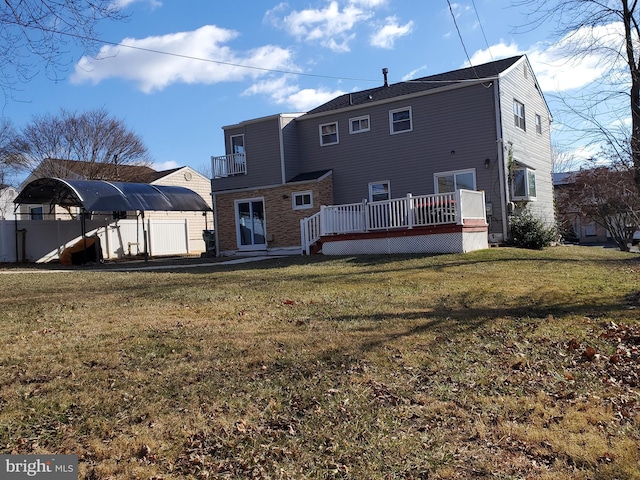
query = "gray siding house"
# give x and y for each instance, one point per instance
(484, 128)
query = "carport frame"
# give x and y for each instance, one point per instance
(93, 196)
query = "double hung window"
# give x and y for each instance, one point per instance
(329, 134)
(518, 115)
(400, 120)
(379, 191)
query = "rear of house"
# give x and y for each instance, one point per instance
(484, 128)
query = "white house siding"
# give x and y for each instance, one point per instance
(197, 222)
(453, 129)
(528, 147)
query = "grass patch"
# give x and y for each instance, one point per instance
(503, 363)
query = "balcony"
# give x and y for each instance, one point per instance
(229, 165)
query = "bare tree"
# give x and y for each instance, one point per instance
(9, 163)
(608, 197)
(97, 144)
(563, 161)
(609, 29)
(37, 34)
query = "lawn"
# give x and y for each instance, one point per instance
(502, 363)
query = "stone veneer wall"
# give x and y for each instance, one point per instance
(283, 222)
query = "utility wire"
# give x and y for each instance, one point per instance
(482, 30)
(271, 70)
(455, 23)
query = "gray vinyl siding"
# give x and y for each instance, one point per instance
(529, 147)
(262, 149)
(290, 147)
(452, 130)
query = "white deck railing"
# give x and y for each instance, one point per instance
(408, 212)
(226, 165)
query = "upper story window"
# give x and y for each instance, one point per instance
(523, 184)
(379, 191)
(237, 143)
(359, 124)
(400, 120)
(302, 200)
(329, 134)
(451, 181)
(518, 115)
(538, 124)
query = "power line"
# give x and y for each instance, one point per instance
(271, 70)
(189, 57)
(455, 23)
(482, 30)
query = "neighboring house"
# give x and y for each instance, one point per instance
(7, 196)
(76, 170)
(575, 227)
(484, 128)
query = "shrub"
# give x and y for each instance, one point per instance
(528, 231)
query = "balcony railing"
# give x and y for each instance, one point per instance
(401, 213)
(227, 165)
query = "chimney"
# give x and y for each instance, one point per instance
(384, 73)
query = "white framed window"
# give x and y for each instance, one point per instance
(36, 213)
(523, 184)
(359, 124)
(237, 143)
(379, 191)
(329, 134)
(445, 182)
(400, 120)
(302, 200)
(538, 124)
(518, 115)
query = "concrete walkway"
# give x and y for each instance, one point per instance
(167, 264)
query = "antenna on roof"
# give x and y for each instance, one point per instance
(385, 71)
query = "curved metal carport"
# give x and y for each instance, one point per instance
(105, 196)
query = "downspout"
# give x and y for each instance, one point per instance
(282, 164)
(215, 223)
(501, 165)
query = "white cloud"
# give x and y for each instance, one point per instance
(282, 92)
(413, 74)
(557, 70)
(390, 32)
(167, 165)
(125, 3)
(331, 26)
(153, 71)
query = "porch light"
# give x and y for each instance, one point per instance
(487, 162)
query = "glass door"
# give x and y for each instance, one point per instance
(251, 225)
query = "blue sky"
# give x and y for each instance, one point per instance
(301, 54)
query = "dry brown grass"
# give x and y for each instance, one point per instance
(452, 366)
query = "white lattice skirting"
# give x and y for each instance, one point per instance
(458, 242)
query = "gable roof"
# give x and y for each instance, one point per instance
(55, 167)
(476, 73)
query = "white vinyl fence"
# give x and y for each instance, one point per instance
(42, 241)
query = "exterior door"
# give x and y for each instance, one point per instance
(251, 224)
